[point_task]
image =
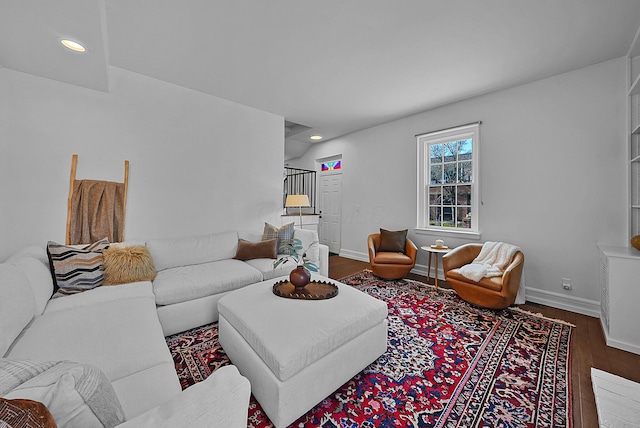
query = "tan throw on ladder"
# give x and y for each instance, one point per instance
(96, 209)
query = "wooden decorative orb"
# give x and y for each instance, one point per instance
(635, 242)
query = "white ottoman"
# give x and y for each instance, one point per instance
(295, 352)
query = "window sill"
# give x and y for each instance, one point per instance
(450, 233)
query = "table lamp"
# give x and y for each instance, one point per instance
(297, 201)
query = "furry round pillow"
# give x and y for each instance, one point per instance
(128, 264)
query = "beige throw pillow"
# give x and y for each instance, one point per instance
(128, 264)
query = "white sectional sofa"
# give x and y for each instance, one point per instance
(114, 329)
(195, 272)
(120, 331)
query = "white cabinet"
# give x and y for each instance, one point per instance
(620, 265)
(633, 133)
(620, 296)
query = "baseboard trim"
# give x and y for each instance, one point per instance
(614, 343)
(568, 303)
(422, 270)
(354, 255)
(535, 295)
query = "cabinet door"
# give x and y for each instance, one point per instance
(624, 303)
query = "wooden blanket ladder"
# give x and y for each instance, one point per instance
(72, 185)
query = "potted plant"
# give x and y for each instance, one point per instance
(301, 275)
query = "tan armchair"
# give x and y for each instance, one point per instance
(389, 265)
(494, 293)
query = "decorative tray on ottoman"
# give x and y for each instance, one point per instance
(315, 290)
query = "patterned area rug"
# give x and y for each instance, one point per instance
(448, 364)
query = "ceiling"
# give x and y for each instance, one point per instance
(330, 66)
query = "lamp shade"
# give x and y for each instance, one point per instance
(297, 201)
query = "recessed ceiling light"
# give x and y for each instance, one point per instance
(316, 137)
(74, 46)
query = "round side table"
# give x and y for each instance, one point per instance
(437, 251)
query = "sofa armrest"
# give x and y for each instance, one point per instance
(324, 260)
(221, 400)
(309, 237)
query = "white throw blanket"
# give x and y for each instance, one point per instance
(493, 259)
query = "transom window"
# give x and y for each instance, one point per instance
(447, 182)
(331, 166)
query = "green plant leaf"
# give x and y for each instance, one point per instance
(311, 266)
(281, 261)
(298, 255)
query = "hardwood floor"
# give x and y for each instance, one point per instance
(588, 348)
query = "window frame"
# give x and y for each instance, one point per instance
(424, 141)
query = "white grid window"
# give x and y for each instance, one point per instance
(448, 179)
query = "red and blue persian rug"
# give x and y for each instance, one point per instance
(448, 364)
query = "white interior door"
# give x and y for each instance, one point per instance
(330, 209)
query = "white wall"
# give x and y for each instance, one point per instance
(553, 176)
(198, 163)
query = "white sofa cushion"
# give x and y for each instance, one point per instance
(121, 337)
(184, 283)
(265, 266)
(17, 304)
(250, 236)
(284, 332)
(34, 263)
(171, 253)
(161, 381)
(100, 295)
(37, 252)
(76, 395)
(221, 400)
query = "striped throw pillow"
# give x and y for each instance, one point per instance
(284, 234)
(76, 268)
